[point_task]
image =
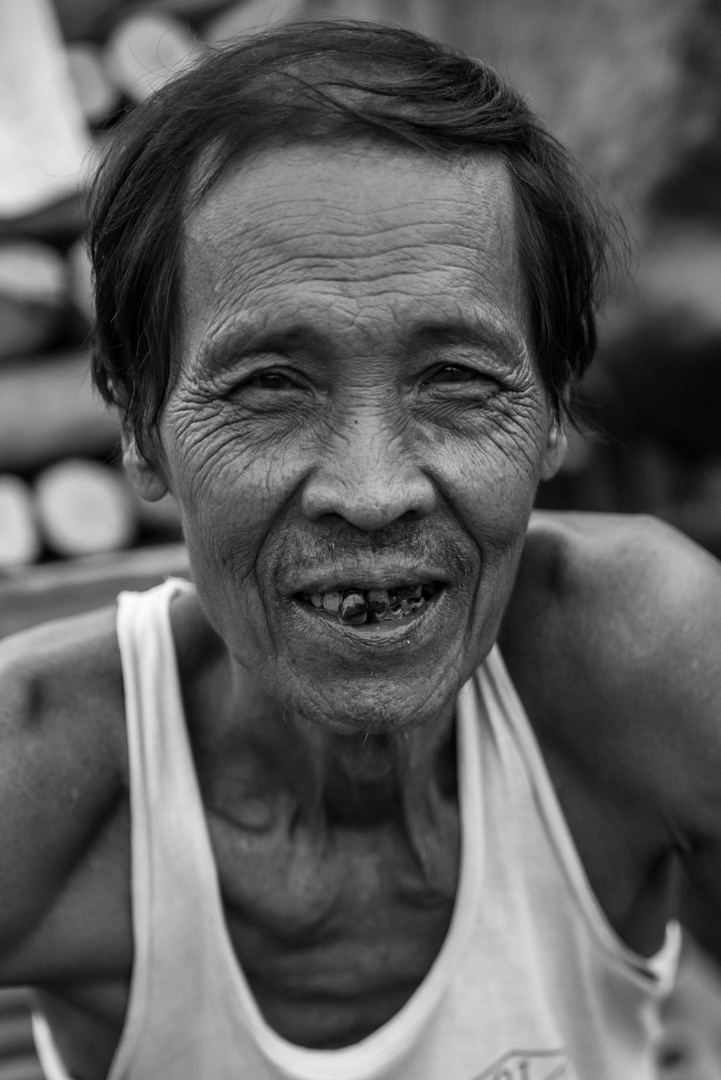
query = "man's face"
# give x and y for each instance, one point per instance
(358, 427)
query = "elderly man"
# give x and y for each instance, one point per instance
(397, 787)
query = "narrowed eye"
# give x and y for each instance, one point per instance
(271, 380)
(453, 373)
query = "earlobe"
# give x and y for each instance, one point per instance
(556, 445)
(145, 477)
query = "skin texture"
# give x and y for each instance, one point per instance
(383, 417)
(610, 636)
(356, 397)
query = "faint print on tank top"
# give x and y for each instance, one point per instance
(527, 1065)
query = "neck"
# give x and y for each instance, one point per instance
(356, 780)
(406, 782)
(250, 751)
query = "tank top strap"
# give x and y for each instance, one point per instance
(505, 711)
(167, 818)
(158, 743)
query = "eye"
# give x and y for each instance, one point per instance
(454, 373)
(271, 380)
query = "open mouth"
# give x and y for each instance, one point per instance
(355, 606)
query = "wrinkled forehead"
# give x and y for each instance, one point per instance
(347, 226)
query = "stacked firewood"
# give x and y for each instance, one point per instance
(72, 69)
(650, 80)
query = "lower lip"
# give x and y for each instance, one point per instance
(388, 630)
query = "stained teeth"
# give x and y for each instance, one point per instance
(355, 606)
(377, 600)
(408, 592)
(332, 601)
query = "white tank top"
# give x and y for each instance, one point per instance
(531, 982)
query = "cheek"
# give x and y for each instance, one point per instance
(229, 493)
(490, 477)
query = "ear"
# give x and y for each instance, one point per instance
(556, 445)
(144, 475)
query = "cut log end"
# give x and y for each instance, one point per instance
(85, 508)
(20, 542)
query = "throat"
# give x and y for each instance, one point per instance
(362, 784)
(366, 778)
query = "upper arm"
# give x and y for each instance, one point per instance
(674, 646)
(613, 635)
(61, 765)
(690, 682)
(647, 646)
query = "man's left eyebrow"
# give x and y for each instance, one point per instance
(480, 333)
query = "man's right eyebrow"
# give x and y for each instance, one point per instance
(248, 337)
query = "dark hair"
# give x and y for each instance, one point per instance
(317, 81)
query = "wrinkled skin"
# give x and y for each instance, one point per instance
(385, 419)
(356, 394)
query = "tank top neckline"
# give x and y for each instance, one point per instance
(489, 693)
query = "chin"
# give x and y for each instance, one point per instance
(372, 705)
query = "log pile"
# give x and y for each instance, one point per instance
(69, 69)
(635, 90)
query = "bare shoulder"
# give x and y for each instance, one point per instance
(623, 584)
(63, 675)
(614, 636)
(62, 759)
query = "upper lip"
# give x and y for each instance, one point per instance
(387, 577)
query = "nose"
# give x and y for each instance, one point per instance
(368, 476)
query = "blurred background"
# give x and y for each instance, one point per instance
(633, 87)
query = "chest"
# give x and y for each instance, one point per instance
(334, 934)
(333, 938)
